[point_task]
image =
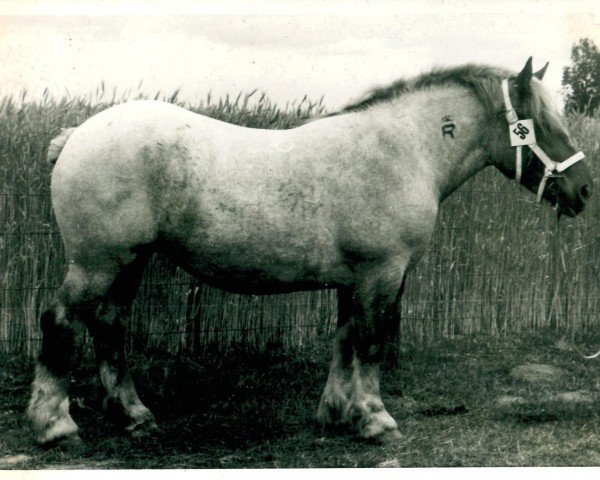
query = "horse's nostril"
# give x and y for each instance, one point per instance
(585, 192)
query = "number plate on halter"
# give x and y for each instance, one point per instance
(522, 133)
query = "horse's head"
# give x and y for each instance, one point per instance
(548, 162)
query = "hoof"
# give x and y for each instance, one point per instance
(143, 425)
(136, 419)
(378, 424)
(389, 437)
(142, 430)
(71, 444)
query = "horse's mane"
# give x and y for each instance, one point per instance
(483, 80)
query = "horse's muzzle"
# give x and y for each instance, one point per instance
(573, 205)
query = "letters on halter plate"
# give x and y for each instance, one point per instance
(522, 133)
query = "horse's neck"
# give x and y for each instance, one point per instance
(440, 133)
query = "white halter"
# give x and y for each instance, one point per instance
(524, 134)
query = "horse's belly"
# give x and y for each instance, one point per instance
(263, 266)
(261, 282)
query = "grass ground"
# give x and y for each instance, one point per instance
(255, 410)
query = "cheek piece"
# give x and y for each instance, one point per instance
(522, 133)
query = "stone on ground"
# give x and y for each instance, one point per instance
(10, 461)
(507, 402)
(549, 401)
(538, 373)
(579, 397)
(392, 463)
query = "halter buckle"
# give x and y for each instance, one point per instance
(511, 117)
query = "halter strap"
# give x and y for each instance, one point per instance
(511, 115)
(512, 118)
(572, 160)
(551, 165)
(546, 160)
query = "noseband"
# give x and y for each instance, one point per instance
(522, 133)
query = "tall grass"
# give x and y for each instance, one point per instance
(497, 262)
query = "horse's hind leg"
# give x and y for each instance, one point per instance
(121, 402)
(97, 295)
(48, 408)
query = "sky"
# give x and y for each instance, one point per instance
(337, 50)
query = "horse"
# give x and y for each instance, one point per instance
(347, 201)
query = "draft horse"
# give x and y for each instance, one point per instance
(346, 201)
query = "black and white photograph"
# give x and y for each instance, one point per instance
(299, 235)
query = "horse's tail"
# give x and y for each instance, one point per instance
(57, 144)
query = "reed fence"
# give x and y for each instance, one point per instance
(497, 263)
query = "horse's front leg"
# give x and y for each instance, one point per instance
(392, 334)
(366, 312)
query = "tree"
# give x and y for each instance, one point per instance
(581, 81)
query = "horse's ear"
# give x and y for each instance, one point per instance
(523, 80)
(540, 73)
